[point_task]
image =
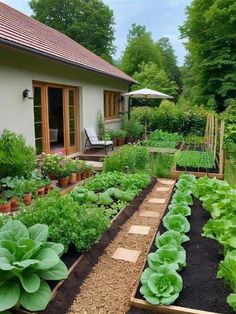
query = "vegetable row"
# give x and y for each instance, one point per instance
(161, 283)
(219, 199)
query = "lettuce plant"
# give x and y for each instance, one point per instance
(174, 256)
(182, 197)
(27, 261)
(162, 286)
(180, 209)
(170, 237)
(177, 223)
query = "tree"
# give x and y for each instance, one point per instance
(140, 49)
(170, 61)
(88, 22)
(210, 30)
(151, 76)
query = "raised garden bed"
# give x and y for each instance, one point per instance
(80, 265)
(202, 292)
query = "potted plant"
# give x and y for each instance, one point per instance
(12, 197)
(79, 165)
(5, 205)
(72, 168)
(88, 170)
(121, 135)
(62, 174)
(48, 185)
(49, 165)
(25, 188)
(83, 171)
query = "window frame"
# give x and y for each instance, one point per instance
(111, 109)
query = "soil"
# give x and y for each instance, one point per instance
(71, 287)
(202, 290)
(192, 169)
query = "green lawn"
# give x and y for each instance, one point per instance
(230, 171)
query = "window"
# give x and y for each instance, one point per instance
(111, 105)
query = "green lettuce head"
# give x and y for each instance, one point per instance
(181, 209)
(171, 237)
(174, 256)
(162, 286)
(177, 223)
(27, 261)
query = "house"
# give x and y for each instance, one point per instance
(51, 87)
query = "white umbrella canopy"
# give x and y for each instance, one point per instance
(147, 93)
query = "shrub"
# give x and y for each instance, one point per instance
(130, 157)
(172, 118)
(16, 158)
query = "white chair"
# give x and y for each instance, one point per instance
(93, 142)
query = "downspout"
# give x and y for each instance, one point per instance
(129, 100)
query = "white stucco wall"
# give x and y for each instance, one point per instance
(18, 70)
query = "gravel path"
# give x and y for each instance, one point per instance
(109, 286)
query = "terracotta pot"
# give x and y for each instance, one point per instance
(120, 141)
(83, 175)
(63, 182)
(14, 202)
(78, 176)
(48, 188)
(5, 208)
(72, 179)
(52, 176)
(27, 198)
(41, 191)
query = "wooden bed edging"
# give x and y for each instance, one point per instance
(176, 173)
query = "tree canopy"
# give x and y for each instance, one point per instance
(89, 22)
(140, 49)
(211, 64)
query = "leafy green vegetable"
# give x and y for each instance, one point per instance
(162, 286)
(176, 209)
(182, 197)
(171, 237)
(26, 261)
(177, 223)
(174, 256)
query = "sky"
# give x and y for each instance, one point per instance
(161, 17)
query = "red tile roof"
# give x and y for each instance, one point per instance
(25, 32)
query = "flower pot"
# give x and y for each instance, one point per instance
(27, 198)
(41, 191)
(5, 208)
(48, 188)
(14, 202)
(72, 179)
(52, 176)
(63, 182)
(78, 176)
(83, 175)
(120, 141)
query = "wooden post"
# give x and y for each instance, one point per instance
(222, 130)
(216, 134)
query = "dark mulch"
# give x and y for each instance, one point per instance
(71, 287)
(201, 290)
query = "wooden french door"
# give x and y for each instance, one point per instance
(56, 118)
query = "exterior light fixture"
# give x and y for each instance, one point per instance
(25, 94)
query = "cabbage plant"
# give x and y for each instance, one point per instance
(181, 209)
(177, 223)
(162, 286)
(27, 261)
(171, 237)
(174, 256)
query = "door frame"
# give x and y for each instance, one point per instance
(45, 116)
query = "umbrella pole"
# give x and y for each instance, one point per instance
(145, 126)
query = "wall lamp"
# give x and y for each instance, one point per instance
(26, 94)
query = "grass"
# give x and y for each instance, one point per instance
(230, 171)
(161, 164)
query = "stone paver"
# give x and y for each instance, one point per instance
(157, 200)
(143, 230)
(126, 255)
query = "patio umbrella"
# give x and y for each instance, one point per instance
(147, 93)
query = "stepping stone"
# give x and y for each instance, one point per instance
(147, 213)
(162, 189)
(126, 255)
(167, 182)
(157, 200)
(143, 230)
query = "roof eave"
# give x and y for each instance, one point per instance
(8, 43)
